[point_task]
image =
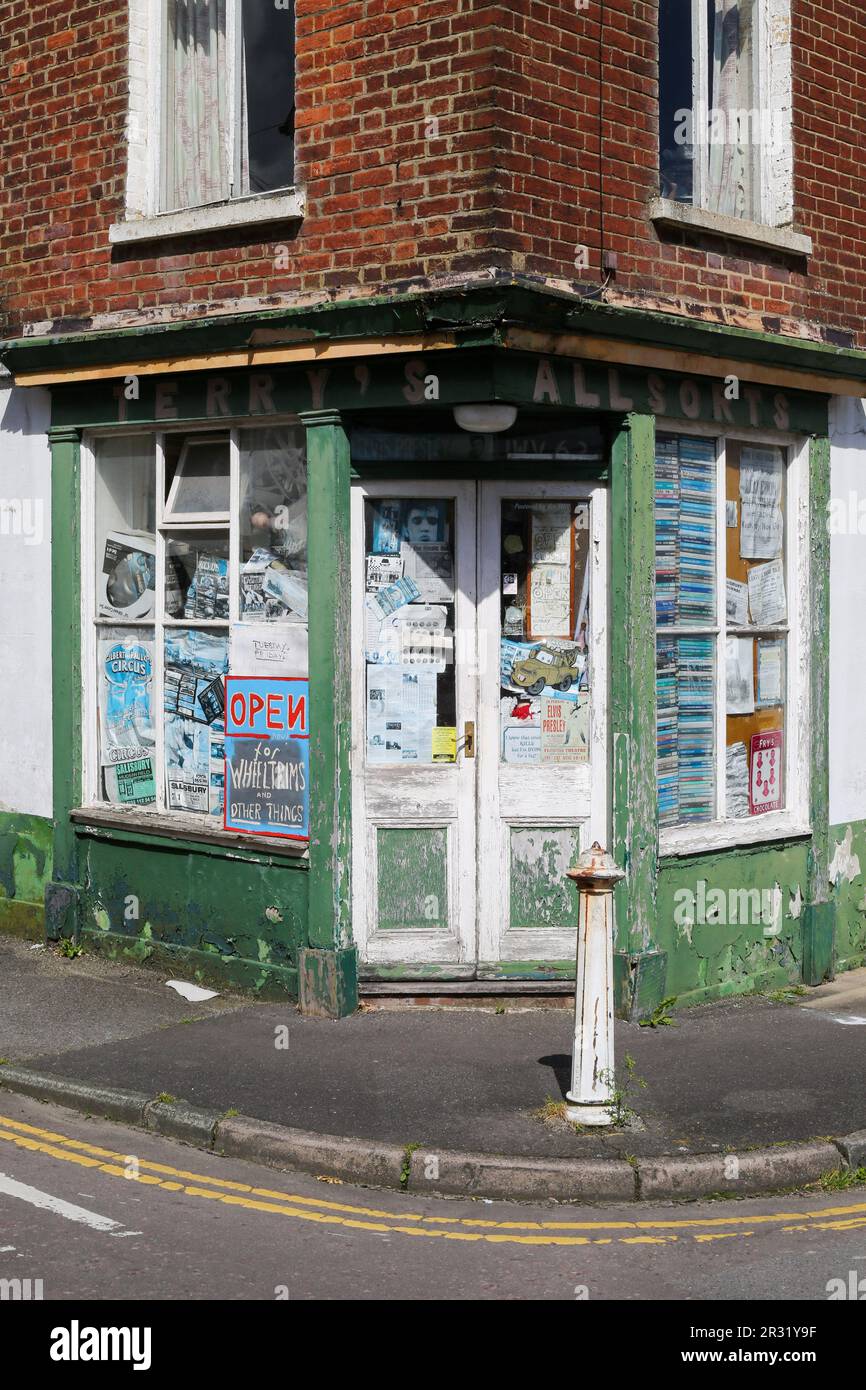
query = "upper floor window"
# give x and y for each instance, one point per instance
(227, 100)
(725, 107)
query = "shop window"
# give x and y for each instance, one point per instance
(200, 570)
(727, 610)
(725, 107)
(228, 100)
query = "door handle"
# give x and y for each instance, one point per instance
(469, 738)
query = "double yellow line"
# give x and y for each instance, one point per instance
(133, 1168)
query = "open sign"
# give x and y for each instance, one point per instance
(267, 706)
(267, 743)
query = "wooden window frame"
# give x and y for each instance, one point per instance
(795, 819)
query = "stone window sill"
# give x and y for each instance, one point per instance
(665, 212)
(240, 212)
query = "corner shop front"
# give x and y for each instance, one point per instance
(441, 856)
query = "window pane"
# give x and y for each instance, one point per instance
(196, 662)
(125, 705)
(756, 603)
(197, 112)
(735, 127)
(196, 476)
(756, 706)
(124, 528)
(676, 103)
(268, 95)
(408, 630)
(273, 525)
(685, 694)
(685, 509)
(544, 605)
(197, 576)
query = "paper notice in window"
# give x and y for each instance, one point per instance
(762, 525)
(269, 649)
(444, 745)
(431, 567)
(737, 603)
(770, 673)
(551, 533)
(767, 601)
(564, 731)
(401, 714)
(382, 571)
(550, 600)
(740, 675)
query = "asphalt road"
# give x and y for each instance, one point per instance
(99, 1211)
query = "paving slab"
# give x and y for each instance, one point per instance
(741, 1074)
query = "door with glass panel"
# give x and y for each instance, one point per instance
(542, 756)
(414, 722)
(479, 718)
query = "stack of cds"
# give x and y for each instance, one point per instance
(667, 510)
(667, 715)
(695, 732)
(697, 531)
(685, 518)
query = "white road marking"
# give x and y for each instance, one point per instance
(46, 1202)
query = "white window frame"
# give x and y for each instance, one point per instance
(160, 815)
(795, 819)
(774, 172)
(144, 218)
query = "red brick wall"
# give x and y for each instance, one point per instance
(547, 141)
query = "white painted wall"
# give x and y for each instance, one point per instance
(25, 600)
(848, 611)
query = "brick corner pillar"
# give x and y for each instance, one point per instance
(328, 963)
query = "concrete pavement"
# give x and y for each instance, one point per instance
(747, 1075)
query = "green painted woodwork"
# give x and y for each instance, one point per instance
(476, 314)
(195, 899)
(269, 981)
(710, 953)
(819, 669)
(539, 893)
(412, 877)
(66, 644)
(632, 694)
(329, 926)
(328, 982)
(423, 384)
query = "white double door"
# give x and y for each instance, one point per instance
(479, 659)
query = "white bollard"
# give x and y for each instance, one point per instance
(589, 1098)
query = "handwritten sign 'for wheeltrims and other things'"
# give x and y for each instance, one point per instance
(267, 745)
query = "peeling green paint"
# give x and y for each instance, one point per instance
(25, 869)
(412, 882)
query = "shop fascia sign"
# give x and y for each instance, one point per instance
(449, 378)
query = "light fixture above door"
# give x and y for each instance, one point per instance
(489, 418)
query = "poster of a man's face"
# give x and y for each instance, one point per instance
(419, 521)
(424, 522)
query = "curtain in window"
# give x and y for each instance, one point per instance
(197, 163)
(732, 128)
